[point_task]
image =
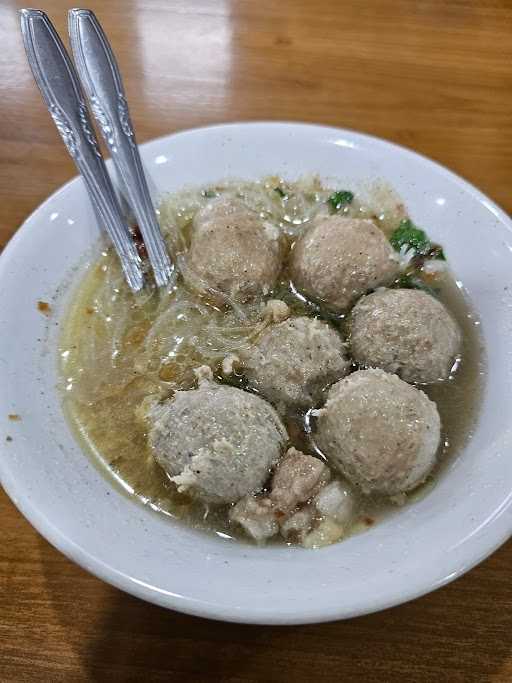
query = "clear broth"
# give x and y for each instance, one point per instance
(116, 350)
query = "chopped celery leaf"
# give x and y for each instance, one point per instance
(411, 236)
(339, 199)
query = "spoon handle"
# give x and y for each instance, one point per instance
(56, 78)
(101, 79)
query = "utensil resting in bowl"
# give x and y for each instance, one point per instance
(61, 88)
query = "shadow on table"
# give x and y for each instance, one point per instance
(454, 634)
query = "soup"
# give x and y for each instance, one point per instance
(123, 356)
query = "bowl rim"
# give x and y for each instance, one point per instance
(499, 531)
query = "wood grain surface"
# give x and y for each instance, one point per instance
(435, 75)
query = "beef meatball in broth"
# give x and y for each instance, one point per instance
(216, 442)
(232, 252)
(380, 432)
(405, 331)
(294, 361)
(336, 260)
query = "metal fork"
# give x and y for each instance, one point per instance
(60, 87)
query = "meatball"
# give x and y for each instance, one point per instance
(232, 252)
(405, 331)
(336, 260)
(380, 432)
(217, 443)
(294, 361)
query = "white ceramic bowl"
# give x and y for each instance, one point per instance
(55, 485)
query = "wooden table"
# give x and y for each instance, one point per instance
(434, 75)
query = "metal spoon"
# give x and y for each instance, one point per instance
(101, 79)
(57, 80)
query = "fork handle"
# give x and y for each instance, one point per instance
(60, 88)
(101, 79)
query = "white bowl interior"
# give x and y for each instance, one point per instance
(71, 503)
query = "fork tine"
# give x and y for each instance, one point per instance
(100, 76)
